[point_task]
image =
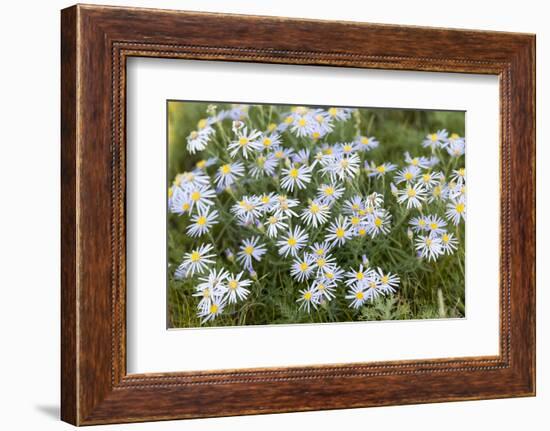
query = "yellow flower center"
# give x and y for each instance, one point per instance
(411, 192)
(408, 176)
(195, 256)
(328, 151)
(344, 163)
(195, 196)
(293, 173)
(433, 137)
(415, 161)
(321, 286)
(365, 140)
(272, 220)
(372, 285)
(316, 135)
(261, 161)
(329, 191)
(267, 142)
(329, 275)
(381, 169)
(225, 169)
(427, 178)
(304, 266)
(455, 136)
(292, 241)
(355, 220)
(314, 208)
(362, 232)
(360, 276)
(437, 191)
(202, 124)
(340, 232)
(302, 122)
(288, 119)
(320, 252)
(248, 250)
(320, 119)
(170, 192)
(348, 148)
(378, 222)
(462, 172)
(307, 296)
(265, 199)
(355, 207)
(279, 154)
(421, 222)
(460, 208)
(194, 134)
(359, 295)
(445, 238)
(332, 112)
(321, 262)
(385, 279)
(201, 221)
(271, 127)
(185, 206)
(233, 284)
(428, 242)
(213, 309)
(206, 293)
(243, 140)
(433, 226)
(201, 164)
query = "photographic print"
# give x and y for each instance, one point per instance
(282, 214)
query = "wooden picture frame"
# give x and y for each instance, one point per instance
(96, 41)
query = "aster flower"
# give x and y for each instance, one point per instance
(320, 249)
(449, 243)
(365, 143)
(387, 283)
(456, 210)
(245, 143)
(302, 268)
(419, 224)
(418, 162)
(343, 166)
(358, 295)
(412, 195)
(436, 140)
(271, 140)
(430, 179)
(216, 307)
(200, 197)
(199, 139)
(227, 174)
(315, 214)
(329, 193)
(196, 261)
(237, 288)
(275, 223)
(429, 246)
(250, 249)
(379, 171)
(263, 165)
(294, 241)
(435, 224)
(284, 205)
(296, 176)
(248, 209)
(324, 287)
(309, 297)
(202, 222)
(339, 231)
(378, 222)
(407, 175)
(359, 276)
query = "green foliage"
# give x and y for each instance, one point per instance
(273, 295)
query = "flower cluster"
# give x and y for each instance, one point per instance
(296, 194)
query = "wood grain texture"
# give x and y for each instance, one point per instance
(96, 41)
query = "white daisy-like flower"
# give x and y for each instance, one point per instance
(357, 294)
(216, 307)
(245, 143)
(199, 139)
(200, 197)
(436, 140)
(419, 162)
(267, 201)
(179, 201)
(301, 157)
(302, 268)
(407, 175)
(456, 210)
(202, 222)
(309, 297)
(343, 166)
(206, 163)
(248, 209)
(358, 276)
(459, 176)
(295, 240)
(196, 261)
(429, 246)
(339, 231)
(284, 205)
(365, 143)
(412, 195)
(322, 124)
(354, 205)
(263, 165)
(379, 171)
(430, 179)
(269, 141)
(330, 193)
(281, 153)
(295, 176)
(449, 243)
(373, 286)
(275, 223)
(250, 249)
(324, 287)
(438, 192)
(419, 224)
(315, 214)
(303, 125)
(456, 146)
(435, 224)
(340, 114)
(237, 288)
(190, 180)
(378, 222)
(227, 174)
(325, 263)
(387, 283)
(332, 273)
(211, 287)
(320, 249)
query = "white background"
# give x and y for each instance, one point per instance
(151, 348)
(29, 220)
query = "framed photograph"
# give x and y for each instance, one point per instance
(266, 215)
